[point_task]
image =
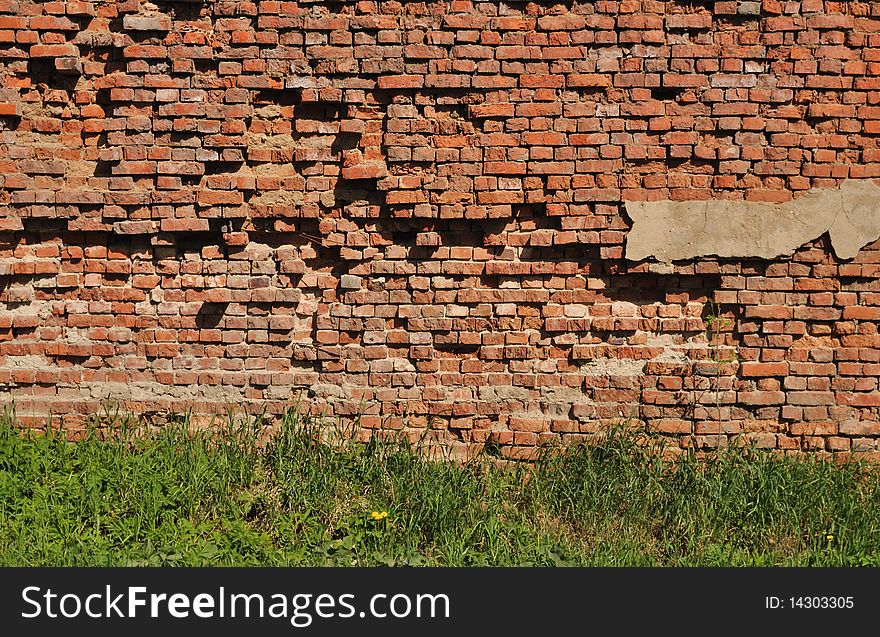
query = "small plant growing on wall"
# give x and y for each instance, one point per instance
(721, 354)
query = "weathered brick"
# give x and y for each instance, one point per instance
(133, 22)
(53, 51)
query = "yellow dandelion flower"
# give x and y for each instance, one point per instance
(379, 515)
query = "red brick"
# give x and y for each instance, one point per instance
(184, 225)
(751, 369)
(53, 51)
(588, 80)
(401, 81)
(134, 22)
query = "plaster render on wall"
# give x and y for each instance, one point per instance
(678, 230)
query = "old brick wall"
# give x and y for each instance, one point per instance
(413, 214)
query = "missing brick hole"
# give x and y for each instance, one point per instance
(104, 168)
(44, 75)
(680, 163)
(219, 168)
(181, 9)
(12, 306)
(447, 111)
(204, 66)
(665, 94)
(492, 448)
(278, 96)
(318, 111)
(745, 12)
(142, 37)
(353, 194)
(55, 227)
(193, 241)
(9, 122)
(227, 225)
(406, 238)
(693, 165)
(528, 211)
(459, 97)
(185, 139)
(115, 278)
(211, 314)
(345, 141)
(188, 181)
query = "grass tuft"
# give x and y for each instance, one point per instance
(173, 496)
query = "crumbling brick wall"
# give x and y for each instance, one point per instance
(412, 215)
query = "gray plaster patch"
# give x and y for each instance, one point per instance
(679, 230)
(492, 393)
(613, 367)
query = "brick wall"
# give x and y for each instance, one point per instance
(413, 214)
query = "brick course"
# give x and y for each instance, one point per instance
(410, 215)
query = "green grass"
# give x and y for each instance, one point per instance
(177, 498)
